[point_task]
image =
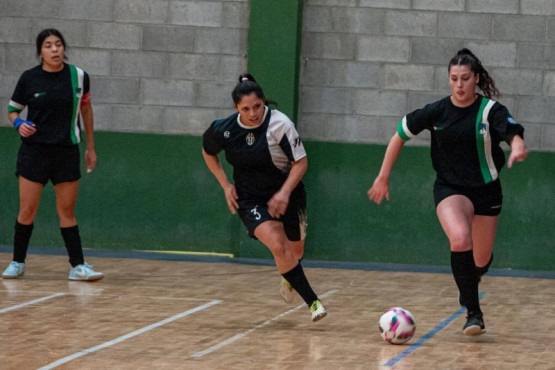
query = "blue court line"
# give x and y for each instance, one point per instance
(427, 336)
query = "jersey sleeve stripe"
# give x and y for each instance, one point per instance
(403, 130)
(14, 107)
(483, 141)
(77, 84)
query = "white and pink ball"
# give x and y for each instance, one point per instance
(397, 325)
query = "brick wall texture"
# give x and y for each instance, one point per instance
(366, 63)
(168, 66)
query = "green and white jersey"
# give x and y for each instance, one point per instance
(53, 100)
(465, 147)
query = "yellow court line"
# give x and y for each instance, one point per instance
(213, 254)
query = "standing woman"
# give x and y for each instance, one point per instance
(269, 161)
(466, 130)
(55, 94)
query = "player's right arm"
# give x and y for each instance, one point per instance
(380, 187)
(25, 128)
(214, 165)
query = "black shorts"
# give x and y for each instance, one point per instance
(255, 212)
(57, 163)
(487, 199)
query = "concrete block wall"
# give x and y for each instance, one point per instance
(366, 63)
(157, 66)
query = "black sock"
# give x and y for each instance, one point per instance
(482, 270)
(298, 281)
(464, 272)
(21, 238)
(73, 245)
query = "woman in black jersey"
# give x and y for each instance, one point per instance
(56, 94)
(269, 162)
(466, 130)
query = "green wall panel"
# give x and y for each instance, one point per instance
(154, 192)
(274, 50)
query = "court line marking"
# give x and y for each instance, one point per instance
(442, 325)
(129, 335)
(236, 337)
(28, 303)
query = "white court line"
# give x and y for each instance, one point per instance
(129, 335)
(236, 337)
(38, 300)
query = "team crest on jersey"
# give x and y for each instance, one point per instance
(483, 129)
(226, 134)
(250, 138)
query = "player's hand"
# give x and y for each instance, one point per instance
(231, 198)
(278, 204)
(90, 160)
(519, 152)
(379, 190)
(25, 128)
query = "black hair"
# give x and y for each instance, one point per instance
(49, 32)
(465, 57)
(246, 86)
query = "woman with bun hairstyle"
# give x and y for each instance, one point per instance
(269, 162)
(466, 131)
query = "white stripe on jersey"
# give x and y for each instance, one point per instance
(487, 141)
(280, 126)
(16, 105)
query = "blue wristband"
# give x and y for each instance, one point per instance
(18, 122)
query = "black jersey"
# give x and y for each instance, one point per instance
(465, 141)
(261, 156)
(53, 100)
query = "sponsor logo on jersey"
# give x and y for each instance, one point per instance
(438, 128)
(39, 94)
(250, 138)
(226, 134)
(297, 142)
(483, 129)
(511, 120)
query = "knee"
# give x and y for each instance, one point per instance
(27, 214)
(460, 242)
(278, 250)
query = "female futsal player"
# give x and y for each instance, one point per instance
(269, 161)
(55, 94)
(466, 130)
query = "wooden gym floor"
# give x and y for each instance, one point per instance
(152, 314)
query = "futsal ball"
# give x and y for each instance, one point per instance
(397, 325)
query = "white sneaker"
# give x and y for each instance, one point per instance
(318, 310)
(14, 270)
(286, 290)
(84, 272)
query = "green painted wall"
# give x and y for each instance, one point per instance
(274, 50)
(154, 192)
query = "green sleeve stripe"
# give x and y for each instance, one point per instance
(403, 130)
(14, 107)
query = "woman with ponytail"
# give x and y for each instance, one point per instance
(466, 131)
(269, 162)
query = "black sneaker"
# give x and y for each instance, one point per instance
(474, 324)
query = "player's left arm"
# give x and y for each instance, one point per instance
(509, 130)
(88, 122)
(279, 202)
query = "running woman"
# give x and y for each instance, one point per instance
(466, 129)
(55, 94)
(269, 162)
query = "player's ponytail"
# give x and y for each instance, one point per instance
(465, 57)
(246, 86)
